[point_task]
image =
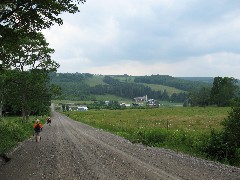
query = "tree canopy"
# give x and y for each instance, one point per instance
(34, 15)
(23, 18)
(224, 90)
(25, 57)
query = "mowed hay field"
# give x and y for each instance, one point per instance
(181, 129)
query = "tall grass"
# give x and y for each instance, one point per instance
(13, 131)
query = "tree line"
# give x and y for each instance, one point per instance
(74, 86)
(131, 90)
(185, 85)
(222, 93)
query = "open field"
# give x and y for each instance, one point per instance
(175, 118)
(95, 80)
(181, 129)
(155, 87)
(158, 87)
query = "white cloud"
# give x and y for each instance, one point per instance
(175, 37)
(211, 65)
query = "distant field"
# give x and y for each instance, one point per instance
(95, 80)
(112, 98)
(157, 87)
(177, 118)
(129, 79)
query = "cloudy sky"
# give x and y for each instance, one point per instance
(142, 37)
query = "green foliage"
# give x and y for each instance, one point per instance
(217, 148)
(159, 87)
(95, 80)
(76, 86)
(30, 53)
(224, 145)
(223, 91)
(167, 80)
(20, 19)
(200, 97)
(13, 131)
(27, 92)
(232, 127)
(73, 85)
(221, 94)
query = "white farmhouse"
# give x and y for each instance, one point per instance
(81, 108)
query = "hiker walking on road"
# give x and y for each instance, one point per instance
(37, 128)
(49, 120)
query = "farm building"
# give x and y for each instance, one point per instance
(140, 99)
(81, 108)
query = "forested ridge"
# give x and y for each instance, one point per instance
(167, 80)
(75, 86)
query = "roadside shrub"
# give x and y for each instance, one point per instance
(224, 146)
(215, 149)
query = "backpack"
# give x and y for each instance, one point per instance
(38, 128)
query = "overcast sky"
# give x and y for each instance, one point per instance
(143, 37)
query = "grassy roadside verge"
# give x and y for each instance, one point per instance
(13, 131)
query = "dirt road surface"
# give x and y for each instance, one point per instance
(72, 150)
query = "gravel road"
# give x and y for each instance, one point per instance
(72, 150)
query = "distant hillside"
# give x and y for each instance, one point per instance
(179, 83)
(85, 86)
(200, 79)
(155, 87)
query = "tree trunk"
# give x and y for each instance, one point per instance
(1, 108)
(23, 115)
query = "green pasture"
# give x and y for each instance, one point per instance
(129, 79)
(181, 129)
(95, 80)
(158, 87)
(172, 118)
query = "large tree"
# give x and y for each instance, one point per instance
(28, 91)
(24, 50)
(24, 18)
(2, 90)
(35, 15)
(200, 97)
(223, 91)
(27, 86)
(30, 53)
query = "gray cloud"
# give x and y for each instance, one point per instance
(106, 33)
